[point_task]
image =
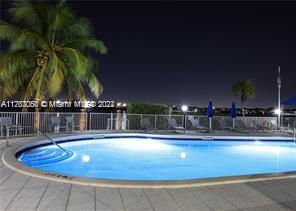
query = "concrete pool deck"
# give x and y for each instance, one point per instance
(22, 192)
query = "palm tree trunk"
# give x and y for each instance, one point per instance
(83, 118)
(36, 118)
(243, 110)
(82, 122)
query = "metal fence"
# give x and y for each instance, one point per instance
(122, 121)
(44, 121)
(50, 122)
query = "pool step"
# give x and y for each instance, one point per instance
(43, 156)
(38, 154)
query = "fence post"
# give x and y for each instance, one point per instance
(155, 122)
(86, 122)
(36, 120)
(111, 124)
(16, 122)
(90, 120)
(57, 128)
(7, 134)
(184, 123)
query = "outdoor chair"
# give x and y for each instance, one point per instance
(269, 125)
(294, 126)
(196, 126)
(116, 123)
(56, 123)
(252, 126)
(223, 125)
(292, 129)
(256, 126)
(146, 125)
(70, 123)
(6, 123)
(240, 126)
(174, 126)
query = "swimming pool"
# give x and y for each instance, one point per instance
(144, 158)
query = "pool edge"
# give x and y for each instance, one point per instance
(9, 159)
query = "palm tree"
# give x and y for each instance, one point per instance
(50, 51)
(245, 89)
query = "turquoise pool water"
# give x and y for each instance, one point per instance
(161, 159)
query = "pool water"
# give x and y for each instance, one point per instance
(160, 159)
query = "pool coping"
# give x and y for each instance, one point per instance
(152, 135)
(9, 159)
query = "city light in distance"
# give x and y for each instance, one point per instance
(184, 108)
(277, 111)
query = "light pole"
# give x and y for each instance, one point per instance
(279, 84)
(184, 109)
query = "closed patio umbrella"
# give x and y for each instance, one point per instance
(291, 101)
(210, 114)
(233, 114)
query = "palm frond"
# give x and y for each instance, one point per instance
(56, 77)
(49, 51)
(7, 31)
(20, 38)
(88, 43)
(18, 61)
(74, 59)
(80, 28)
(94, 84)
(29, 13)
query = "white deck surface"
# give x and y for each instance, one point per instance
(24, 193)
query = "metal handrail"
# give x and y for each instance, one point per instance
(39, 131)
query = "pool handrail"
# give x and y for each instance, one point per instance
(38, 131)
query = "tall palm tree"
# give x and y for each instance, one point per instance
(245, 89)
(50, 51)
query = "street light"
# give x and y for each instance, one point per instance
(277, 111)
(184, 109)
(279, 85)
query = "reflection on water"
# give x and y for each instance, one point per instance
(157, 159)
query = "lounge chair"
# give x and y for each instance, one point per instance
(292, 128)
(56, 123)
(174, 126)
(269, 125)
(243, 127)
(70, 123)
(259, 126)
(293, 131)
(146, 124)
(240, 126)
(255, 125)
(195, 125)
(223, 125)
(6, 123)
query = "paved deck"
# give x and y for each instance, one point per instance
(20, 192)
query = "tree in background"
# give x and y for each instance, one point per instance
(244, 89)
(49, 52)
(147, 109)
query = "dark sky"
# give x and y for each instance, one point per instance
(188, 52)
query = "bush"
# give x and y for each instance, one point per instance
(134, 108)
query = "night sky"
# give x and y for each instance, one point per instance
(190, 52)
